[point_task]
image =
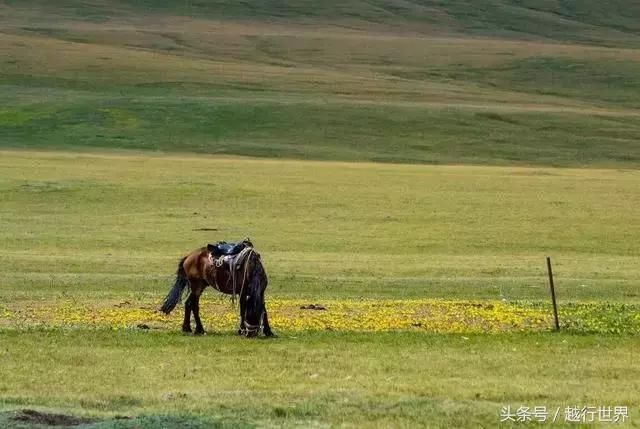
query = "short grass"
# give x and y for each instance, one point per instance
(113, 225)
(315, 379)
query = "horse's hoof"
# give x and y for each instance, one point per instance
(199, 332)
(186, 330)
(270, 334)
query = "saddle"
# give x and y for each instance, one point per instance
(232, 255)
(222, 248)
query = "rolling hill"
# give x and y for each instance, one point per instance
(493, 82)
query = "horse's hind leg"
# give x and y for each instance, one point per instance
(197, 291)
(186, 325)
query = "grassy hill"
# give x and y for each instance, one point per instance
(493, 82)
(611, 22)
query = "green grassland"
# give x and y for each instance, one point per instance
(326, 229)
(372, 150)
(90, 228)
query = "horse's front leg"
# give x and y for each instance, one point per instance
(243, 307)
(186, 325)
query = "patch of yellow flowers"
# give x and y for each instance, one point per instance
(431, 315)
(291, 314)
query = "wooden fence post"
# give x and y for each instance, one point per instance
(553, 294)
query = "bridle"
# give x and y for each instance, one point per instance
(252, 329)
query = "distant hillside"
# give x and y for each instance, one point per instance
(482, 82)
(589, 21)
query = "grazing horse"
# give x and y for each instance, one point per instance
(230, 269)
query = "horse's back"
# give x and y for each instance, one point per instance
(195, 263)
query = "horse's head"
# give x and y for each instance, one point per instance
(253, 315)
(254, 296)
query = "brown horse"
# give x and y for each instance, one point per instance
(242, 274)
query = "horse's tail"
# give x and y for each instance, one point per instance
(173, 298)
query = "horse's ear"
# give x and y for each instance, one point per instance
(210, 247)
